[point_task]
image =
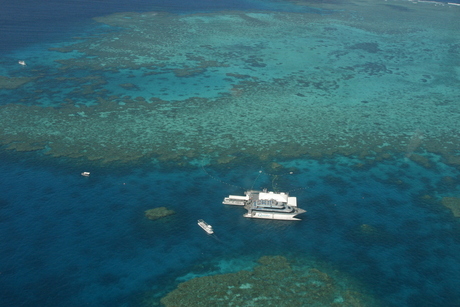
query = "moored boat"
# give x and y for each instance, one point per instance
(206, 227)
(266, 205)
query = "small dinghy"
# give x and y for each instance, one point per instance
(206, 227)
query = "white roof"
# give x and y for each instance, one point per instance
(292, 201)
(281, 197)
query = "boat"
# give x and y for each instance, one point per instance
(23, 63)
(266, 205)
(206, 227)
(86, 174)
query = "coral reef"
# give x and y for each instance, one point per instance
(158, 213)
(10, 83)
(114, 132)
(453, 203)
(274, 282)
(422, 160)
(246, 84)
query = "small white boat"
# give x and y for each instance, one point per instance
(86, 174)
(23, 63)
(206, 227)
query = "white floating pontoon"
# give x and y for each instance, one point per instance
(266, 205)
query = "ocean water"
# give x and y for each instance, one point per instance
(352, 107)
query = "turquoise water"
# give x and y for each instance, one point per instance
(355, 116)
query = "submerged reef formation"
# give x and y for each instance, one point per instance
(367, 79)
(158, 213)
(11, 83)
(453, 203)
(274, 282)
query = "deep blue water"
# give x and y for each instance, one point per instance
(69, 240)
(24, 22)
